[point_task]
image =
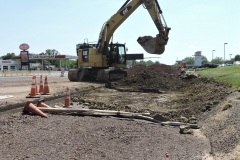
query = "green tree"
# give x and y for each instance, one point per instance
(141, 62)
(51, 53)
(204, 60)
(237, 57)
(72, 64)
(8, 56)
(132, 62)
(217, 60)
(149, 62)
(189, 60)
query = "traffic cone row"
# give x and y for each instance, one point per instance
(43, 89)
(30, 107)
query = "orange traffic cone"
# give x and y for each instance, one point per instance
(67, 99)
(41, 85)
(46, 88)
(30, 107)
(33, 93)
(35, 77)
(41, 104)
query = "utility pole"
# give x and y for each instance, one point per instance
(224, 52)
(212, 54)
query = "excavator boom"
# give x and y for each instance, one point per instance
(154, 45)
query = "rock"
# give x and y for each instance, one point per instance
(190, 75)
(193, 120)
(185, 129)
(160, 117)
(227, 106)
(127, 107)
(203, 109)
(183, 119)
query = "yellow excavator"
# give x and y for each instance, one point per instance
(105, 60)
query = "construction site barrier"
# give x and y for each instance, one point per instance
(7, 73)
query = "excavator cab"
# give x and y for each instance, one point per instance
(117, 55)
(116, 61)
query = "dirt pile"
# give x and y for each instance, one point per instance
(155, 68)
(155, 78)
(192, 96)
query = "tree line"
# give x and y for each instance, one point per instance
(217, 60)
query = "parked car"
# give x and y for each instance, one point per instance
(208, 66)
(46, 68)
(229, 64)
(195, 67)
(236, 63)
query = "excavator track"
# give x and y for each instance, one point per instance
(94, 74)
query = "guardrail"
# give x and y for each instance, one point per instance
(7, 73)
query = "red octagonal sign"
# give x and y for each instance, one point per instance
(24, 46)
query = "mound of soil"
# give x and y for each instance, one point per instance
(155, 68)
(193, 95)
(155, 78)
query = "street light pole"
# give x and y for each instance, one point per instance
(212, 54)
(224, 52)
(230, 57)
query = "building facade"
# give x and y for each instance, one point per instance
(15, 63)
(9, 65)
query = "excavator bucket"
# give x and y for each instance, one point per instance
(153, 45)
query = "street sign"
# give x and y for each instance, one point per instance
(24, 46)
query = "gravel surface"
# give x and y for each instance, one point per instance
(223, 129)
(75, 137)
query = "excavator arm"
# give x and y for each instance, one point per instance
(154, 45)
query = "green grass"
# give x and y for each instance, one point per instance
(228, 74)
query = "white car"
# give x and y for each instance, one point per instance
(236, 63)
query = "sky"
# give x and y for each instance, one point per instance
(196, 25)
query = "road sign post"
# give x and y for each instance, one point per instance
(24, 55)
